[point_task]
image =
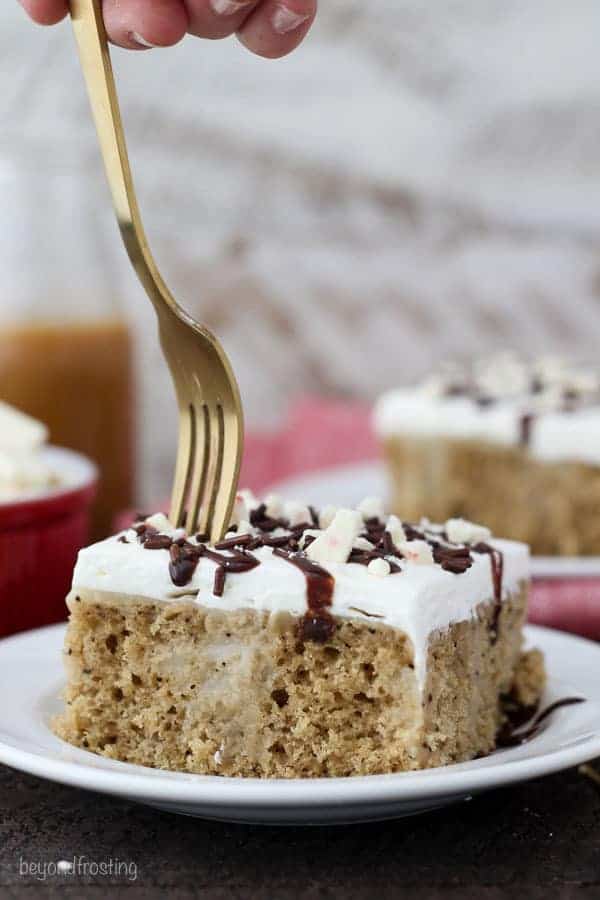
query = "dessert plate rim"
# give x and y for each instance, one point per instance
(26, 743)
(347, 484)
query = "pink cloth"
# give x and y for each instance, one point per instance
(320, 433)
(569, 604)
(317, 434)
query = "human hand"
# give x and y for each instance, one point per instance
(270, 28)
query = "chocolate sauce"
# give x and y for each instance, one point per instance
(317, 624)
(456, 389)
(571, 399)
(316, 627)
(536, 385)
(319, 582)
(525, 426)
(510, 735)
(497, 563)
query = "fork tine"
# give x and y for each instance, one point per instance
(223, 495)
(213, 475)
(185, 455)
(200, 466)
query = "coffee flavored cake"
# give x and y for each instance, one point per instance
(304, 644)
(514, 444)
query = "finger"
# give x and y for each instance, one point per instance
(138, 24)
(276, 27)
(45, 12)
(218, 18)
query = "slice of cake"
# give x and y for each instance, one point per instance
(514, 444)
(304, 644)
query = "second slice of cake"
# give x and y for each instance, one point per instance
(304, 644)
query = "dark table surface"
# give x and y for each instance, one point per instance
(534, 840)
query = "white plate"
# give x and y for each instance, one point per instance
(31, 675)
(347, 485)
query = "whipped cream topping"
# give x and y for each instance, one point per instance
(547, 405)
(420, 586)
(23, 470)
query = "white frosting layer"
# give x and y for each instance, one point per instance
(555, 436)
(22, 468)
(419, 600)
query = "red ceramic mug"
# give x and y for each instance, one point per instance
(40, 536)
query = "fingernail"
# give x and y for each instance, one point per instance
(141, 41)
(285, 19)
(228, 7)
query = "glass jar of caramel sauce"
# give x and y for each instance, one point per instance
(66, 352)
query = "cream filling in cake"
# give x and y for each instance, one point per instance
(551, 408)
(408, 592)
(23, 470)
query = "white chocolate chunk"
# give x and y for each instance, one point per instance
(416, 551)
(334, 544)
(245, 502)
(582, 382)
(380, 567)
(461, 531)
(434, 386)
(161, 523)
(371, 508)
(327, 516)
(274, 506)
(362, 543)
(395, 529)
(297, 513)
(244, 527)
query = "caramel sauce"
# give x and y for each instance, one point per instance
(77, 378)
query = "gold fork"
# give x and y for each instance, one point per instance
(210, 410)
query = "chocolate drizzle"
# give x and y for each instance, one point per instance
(497, 564)
(525, 425)
(317, 624)
(234, 555)
(511, 735)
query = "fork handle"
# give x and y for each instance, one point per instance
(94, 54)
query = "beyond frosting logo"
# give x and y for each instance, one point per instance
(79, 867)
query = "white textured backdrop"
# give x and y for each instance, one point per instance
(418, 180)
